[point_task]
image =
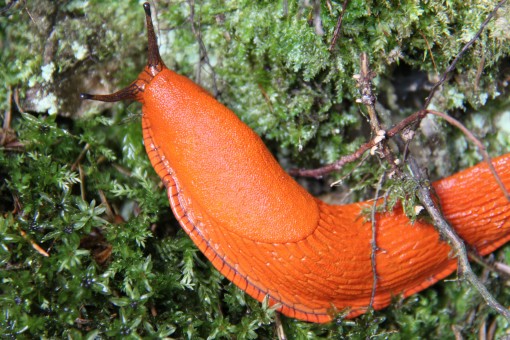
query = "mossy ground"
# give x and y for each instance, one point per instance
(126, 269)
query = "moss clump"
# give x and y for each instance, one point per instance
(80, 186)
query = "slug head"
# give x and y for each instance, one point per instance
(154, 66)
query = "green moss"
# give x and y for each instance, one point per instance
(270, 65)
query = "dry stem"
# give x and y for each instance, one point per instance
(461, 53)
(455, 242)
(424, 192)
(338, 27)
(373, 242)
(203, 50)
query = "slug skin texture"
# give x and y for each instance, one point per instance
(269, 236)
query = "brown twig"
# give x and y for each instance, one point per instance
(279, 327)
(410, 120)
(430, 50)
(457, 332)
(80, 157)
(338, 26)
(8, 6)
(479, 72)
(104, 201)
(373, 242)
(317, 21)
(492, 330)
(266, 98)
(37, 247)
(454, 240)
(320, 172)
(8, 138)
(496, 267)
(414, 119)
(203, 50)
(482, 334)
(478, 144)
(461, 53)
(368, 98)
(424, 192)
(338, 181)
(82, 182)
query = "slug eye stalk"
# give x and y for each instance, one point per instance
(154, 66)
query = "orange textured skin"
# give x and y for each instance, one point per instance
(267, 235)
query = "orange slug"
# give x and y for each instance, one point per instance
(268, 235)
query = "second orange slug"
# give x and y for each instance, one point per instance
(268, 235)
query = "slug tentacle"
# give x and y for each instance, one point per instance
(154, 66)
(154, 62)
(269, 236)
(132, 92)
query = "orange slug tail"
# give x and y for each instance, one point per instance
(154, 66)
(330, 271)
(475, 205)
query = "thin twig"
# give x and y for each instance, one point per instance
(369, 99)
(279, 327)
(457, 333)
(455, 241)
(338, 26)
(478, 144)
(82, 182)
(479, 71)
(266, 98)
(6, 126)
(373, 241)
(411, 120)
(203, 50)
(460, 54)
(492, 330)
(430, 50)
(424, 194)
(482, 334)
(37, 247)
(367, 96)
(497, 267)
(80, 157)
(320, 172)
(502, 268)
(104, 201)
(7, 7)
(338, 181)
(317, 21)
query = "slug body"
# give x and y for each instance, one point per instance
(269, 236)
